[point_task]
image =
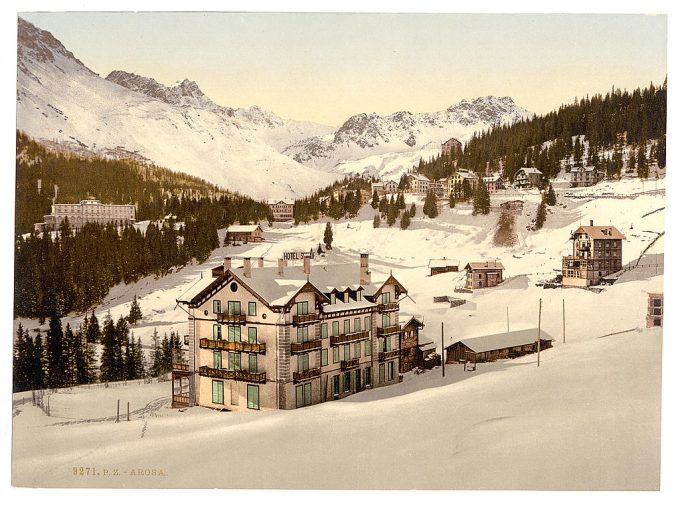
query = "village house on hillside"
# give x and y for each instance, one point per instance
(378, 187)
(585, 176)
(528, 177)
(391, 187)
(87, 211)
(419, 184)
(484, 274)
(499, 346)
(493, 183)
(654, 309)
(282, 210)
(596, 253)
(245, 233)
(408, 344)
(441, 266)
(288, 336)
(451, 145)
(457, 179)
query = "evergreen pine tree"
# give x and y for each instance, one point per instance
(413, 210)
(55, 353)
(93, 331)
(430, 205)
(550, 197)
(376, 221)
(540, 216)
(392, 213)
(135, 311)
(156, 356)
(482, 201)
(22, 362)
(375, 201)
(39, 363)
(452, 201)
(328, 236)
(109, 362)
(70, 357)
(319, 249)
(405, 221)
(642, 166)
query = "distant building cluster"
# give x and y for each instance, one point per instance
(282, 210)
(87, 211)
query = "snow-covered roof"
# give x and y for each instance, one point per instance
(274, 201)
(491, 178)
(425, 341)
(352, 305)
(243, 228)
(530, 170)
(442, 263)
(504, 340)
(198, 286)
(601, 232)
(485, 265)
(419, 177)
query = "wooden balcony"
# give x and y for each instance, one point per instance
(180, 400)
(350, 363)
(306, 374)
(346, 338)
(232, 318)
(238, 375)
(382, 356)
(180, 367)
(389, 330)
(225, 345)
(388, 307)
(300, 319)
(310, 345)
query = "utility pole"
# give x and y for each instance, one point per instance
(443, 360)
(540, 304)
(507, 317)
(564, 324)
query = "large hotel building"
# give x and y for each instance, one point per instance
(87, 211)
(284, 337)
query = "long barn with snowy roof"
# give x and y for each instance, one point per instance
(288, 336)
(498, 346)
(245, 233)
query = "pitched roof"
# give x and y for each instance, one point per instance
(274, 201)
(419, 177)
(530, 170)
(442, 263)
(485, 265)
(503, 340)
(601, 232)
(243, 228)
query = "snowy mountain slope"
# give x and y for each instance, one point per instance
(366, 135)
(60, 99)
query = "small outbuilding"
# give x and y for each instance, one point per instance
(245, 233)
(499, 346)
(442, 266)
(484, 274)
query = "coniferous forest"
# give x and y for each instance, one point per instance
(59, 273)
(607, 123)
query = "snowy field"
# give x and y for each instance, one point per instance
(587, 418)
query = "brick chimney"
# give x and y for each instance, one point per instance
(364, 273)
(246, 267)
(591, 222)
(227, 263)
(260, 262)
(306, 264)
(281, 265)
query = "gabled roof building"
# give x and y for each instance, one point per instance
(288, 336)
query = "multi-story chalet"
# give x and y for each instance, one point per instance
(409, 345)
(451, 145)
(379, 187)
(457, 179)
(391, 187)
(528, 177)
(419, 184)
(484, 274)
(288, 336)
(596, 253)
(493, 183)
(245, 233)
(654, 310)
(585, 176)
(87, 211)
(282, 210)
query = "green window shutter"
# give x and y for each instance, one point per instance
(367, 323)
(324, 330)
(252, 363)
(357, 324)
(336, 328)
(367, 350)
(346, 351)
(253, 397)
(324, 357)
(252, 335)
(336, 354)
(217, 306)
(217, 359)
(217, 332)
(357, 350)
(218, 392)
(346, 326)
(252, 308)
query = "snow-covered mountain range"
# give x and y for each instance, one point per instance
(61, 101)
(366, 135)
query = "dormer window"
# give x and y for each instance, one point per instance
(332, 298)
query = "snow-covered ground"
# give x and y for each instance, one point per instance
(588, 418)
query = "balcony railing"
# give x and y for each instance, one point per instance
(389, 330)
(310, 345)
(239, 375)
(388, 307)
(180, 400)
(180, 367)
(346, 338)
(238, 346)
(306, 374)
(385, 355)
(349, 363)
(232, 318)
(300, 319)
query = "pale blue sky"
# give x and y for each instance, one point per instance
(326, 67)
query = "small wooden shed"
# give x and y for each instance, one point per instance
(498, 346)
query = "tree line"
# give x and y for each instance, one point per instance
(325, 202)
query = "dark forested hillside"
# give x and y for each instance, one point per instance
(607, 123)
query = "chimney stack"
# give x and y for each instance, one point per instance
(306, 264)
(591, 222)
(364, 273)
(281, 265)
(227, 263)
(260, 262)
(246, 267)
